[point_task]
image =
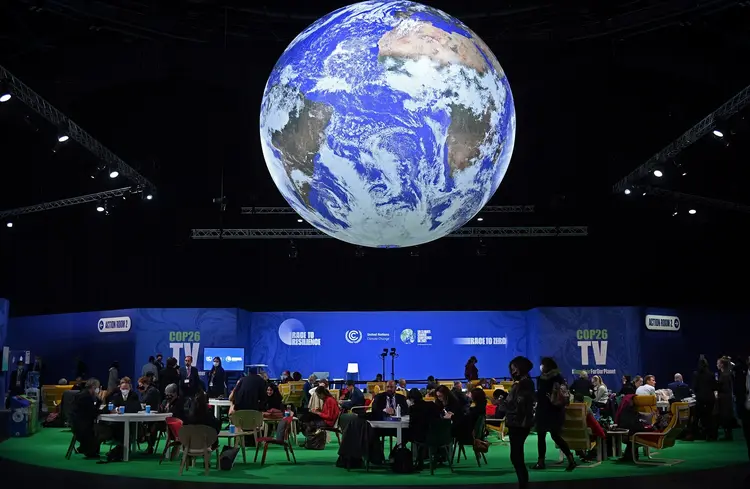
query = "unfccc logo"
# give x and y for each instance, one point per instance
(353, 336)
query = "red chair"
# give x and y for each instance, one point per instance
(173, 439)
(284, 442)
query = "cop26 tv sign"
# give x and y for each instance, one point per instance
(662, 323)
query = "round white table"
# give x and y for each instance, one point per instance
(217, 403)
(128, 418)
(399, 425)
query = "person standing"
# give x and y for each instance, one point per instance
(743, 404)
(550, 417)
(471, 372)
(113, 378)
(519, 415)
(703, 386)
(189, 379)
(217, 380)
(725, 398)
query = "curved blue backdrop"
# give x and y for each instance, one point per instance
(609, 341)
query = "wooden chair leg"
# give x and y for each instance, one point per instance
(257, 447)
(265, 451)
(167, 446)
(207, 462)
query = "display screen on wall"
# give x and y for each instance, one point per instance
(232, 359)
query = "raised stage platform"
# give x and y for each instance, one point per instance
(39, 461)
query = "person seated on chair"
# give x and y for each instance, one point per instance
(328, 414)
(85, 412)
(465, 424)
(172, 402)
(385, 403)
(628, 418)
(273, 398)
(150, 397)
(355, 397)
(201, 414)
(125, 397)
(421, 414)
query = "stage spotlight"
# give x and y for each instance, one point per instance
(5, 93)
(692, 211)
(149, 197)
(99, 208)
(658, 173)
(300, 220)
(627, 191)
(9, 224)
(480, 219)
(718, 133)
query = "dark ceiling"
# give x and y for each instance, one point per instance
(175, 92)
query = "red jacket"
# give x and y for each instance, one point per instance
(330, 411)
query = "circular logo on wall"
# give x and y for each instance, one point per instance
(288, 327)
(101, 325)
(228, 359)
(353, 336)
(676, 323)
(407, 336)
(208, 358)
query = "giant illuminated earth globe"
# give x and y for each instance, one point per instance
(387, 124)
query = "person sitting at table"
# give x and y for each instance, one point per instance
(354, 397)
(273, 398)
(385, 403)
(328, 414)
(85, 412)
(448, 403)
(465, 424)
(421, 414)
(172, 402)
(200, 413)
(125, 397)
(149, 397)
(217, 380)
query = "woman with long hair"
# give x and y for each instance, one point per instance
(519, 415)
(550, 417)
(471, 372)
(274, 399)
(601, 393)
(217, 380)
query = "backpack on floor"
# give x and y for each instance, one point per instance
(227, 457)
(401, 460)
(316, 440)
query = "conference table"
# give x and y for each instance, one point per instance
(127, 418)
(398, 424)
(218, 403)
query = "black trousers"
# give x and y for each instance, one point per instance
(541, 443)
(517, 438)
(704, 414)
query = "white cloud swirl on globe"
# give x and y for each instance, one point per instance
(384, 150)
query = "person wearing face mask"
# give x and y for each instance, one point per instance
(189, 379)
(172, 402)
(519, 415)
(85, 412)
(286, 376)
(125, 397)
(217, 380)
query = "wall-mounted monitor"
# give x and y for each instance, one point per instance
(232, 359)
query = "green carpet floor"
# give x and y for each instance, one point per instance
(47, 448)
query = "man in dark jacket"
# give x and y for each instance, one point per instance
(356, 398)
(519, 415)
(250, 393)
(85, 412)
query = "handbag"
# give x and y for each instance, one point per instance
(481, 446)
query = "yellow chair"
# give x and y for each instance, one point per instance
(335, 393)
(53, 395)
(665, 439)
(292, 393)
(375, 387)
(576, 433)
(505, 385)
(646, 405)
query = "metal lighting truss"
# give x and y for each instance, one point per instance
(731, 107)
(57, 204)
(73, 130)
(697, 199)
(490, 208)
(470, 232)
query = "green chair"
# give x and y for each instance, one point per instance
(439, 440)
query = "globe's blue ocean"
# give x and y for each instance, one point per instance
(387, 124)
